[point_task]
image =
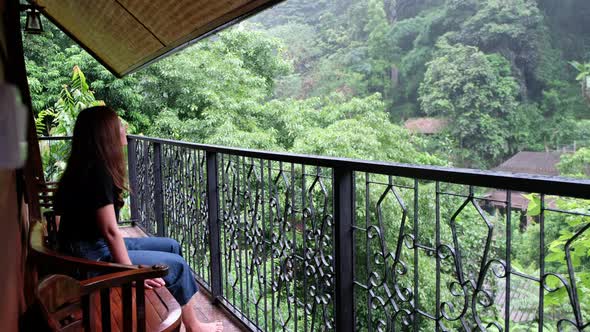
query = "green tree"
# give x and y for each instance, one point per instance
(378, 47)
(346, 128)
(508, 27)
(261, 55)
(213, 92)
(583, 77)
(477, 93)
(575, 165)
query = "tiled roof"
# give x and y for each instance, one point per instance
(542, 163)
(426, 125)
(518, 201)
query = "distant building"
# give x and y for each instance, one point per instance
(498, 197)
(426, 125)
(540, 163)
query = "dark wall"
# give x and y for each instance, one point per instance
(10, 264)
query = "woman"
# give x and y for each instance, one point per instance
(88, 202)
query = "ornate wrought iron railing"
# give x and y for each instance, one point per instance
(303, 243)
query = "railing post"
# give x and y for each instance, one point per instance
(158, 192)
(343, 216)
(132, 171)
(214, 227)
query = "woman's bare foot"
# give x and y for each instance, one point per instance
(205, 327)
(193, 324)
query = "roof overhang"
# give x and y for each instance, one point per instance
(126, 35)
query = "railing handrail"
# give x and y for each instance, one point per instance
(552, 185)
(524, 182)
(53, 138)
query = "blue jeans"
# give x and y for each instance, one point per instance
(148, 251)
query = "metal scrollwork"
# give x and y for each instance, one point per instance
(145, 186)
(386, 290)
(280, 244)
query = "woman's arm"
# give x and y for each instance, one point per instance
(107, 224)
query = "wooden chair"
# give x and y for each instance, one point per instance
(75, 305)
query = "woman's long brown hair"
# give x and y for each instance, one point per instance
(97, 140)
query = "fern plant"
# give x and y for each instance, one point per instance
(59, 121)
(42, 119)
(71, 101)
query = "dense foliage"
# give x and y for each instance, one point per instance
(507, 74)
(476, 91)
(423, 57)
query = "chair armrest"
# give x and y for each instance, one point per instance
(71, 263)
(56, 262)
(121, 278)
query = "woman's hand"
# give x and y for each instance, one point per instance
(154, 283)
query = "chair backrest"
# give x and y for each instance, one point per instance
(51, 227)
(46, 192)
(46, 195)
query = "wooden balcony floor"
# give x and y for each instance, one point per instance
(206, 311)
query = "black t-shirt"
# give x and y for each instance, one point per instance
(77, 204)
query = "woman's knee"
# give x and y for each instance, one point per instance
(175, 247)
(164, 244)
(178, 268)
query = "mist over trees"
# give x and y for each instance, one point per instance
(424, 58)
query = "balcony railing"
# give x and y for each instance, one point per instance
(304, 243)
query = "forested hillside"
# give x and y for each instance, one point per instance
(507, 75)
(500, 70)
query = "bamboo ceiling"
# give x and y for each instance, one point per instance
(125, 35)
